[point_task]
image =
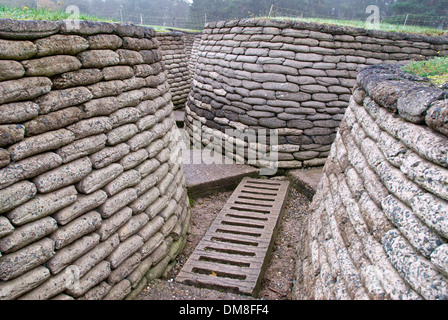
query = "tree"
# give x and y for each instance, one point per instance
(428, 7)
(431, 13)
(134, 10)
(212, 8)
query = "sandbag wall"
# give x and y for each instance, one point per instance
(189, 39)
(192, 41)
(176, 61)
(93, 200)
(292, 76)
(378, 224)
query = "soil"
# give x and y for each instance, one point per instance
(279, 276)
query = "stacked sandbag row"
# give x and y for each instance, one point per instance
(93, 200)
(189, 39)
(292, 76)
(192, 41)
(176, 61)
(378, 224)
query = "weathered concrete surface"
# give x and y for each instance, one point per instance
(180, 116)
(205, 178)
(305, 180)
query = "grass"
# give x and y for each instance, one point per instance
(435, 69)
(169, 29)
(55, 15)
(43, 14)
(362, 24)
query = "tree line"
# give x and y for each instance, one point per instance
(137, 11)
(347, 9)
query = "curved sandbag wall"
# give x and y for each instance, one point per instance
(93, 199)
(192, 42)
(294, 77)
(378, 224)
(176, 59)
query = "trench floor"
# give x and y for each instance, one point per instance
(210, 186)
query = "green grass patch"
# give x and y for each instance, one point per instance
(435, 69)
(439, 80)
(43, 14)
(362, 24)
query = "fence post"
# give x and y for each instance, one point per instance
(270, 11)
(405, 20)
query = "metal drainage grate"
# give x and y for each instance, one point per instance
(233, 254)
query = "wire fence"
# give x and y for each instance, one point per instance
(421, 20)
(192, 22)
(197, 22)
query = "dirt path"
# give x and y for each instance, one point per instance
(279, 277)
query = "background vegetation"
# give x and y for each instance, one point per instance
(432, 13)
